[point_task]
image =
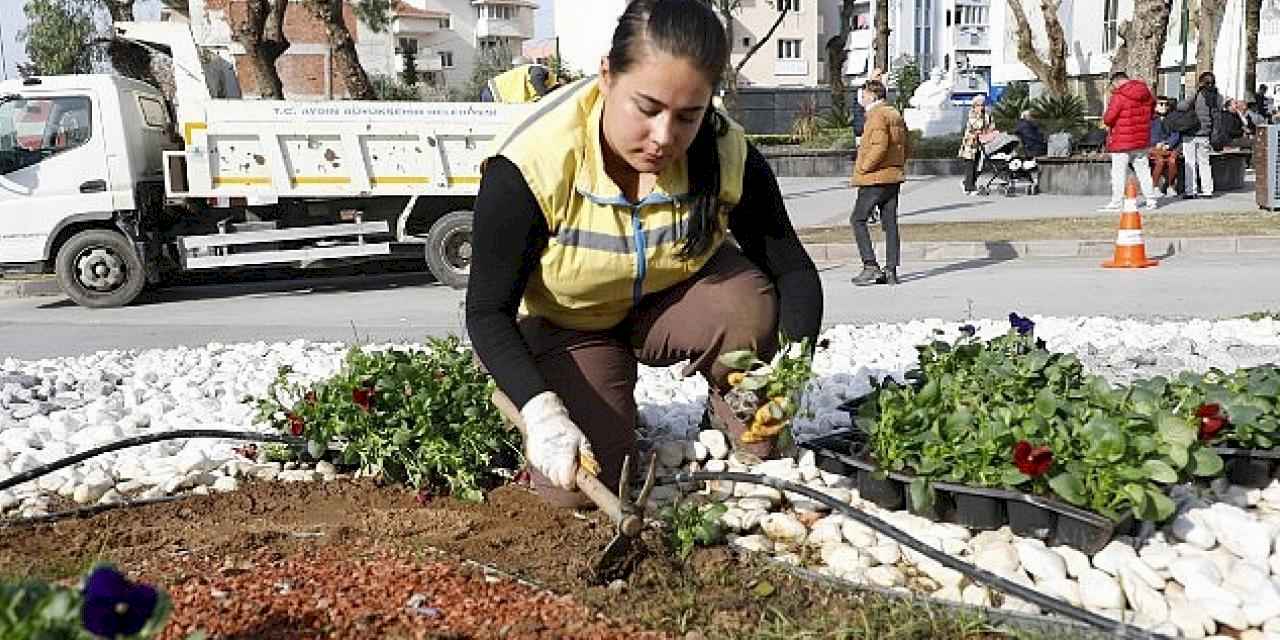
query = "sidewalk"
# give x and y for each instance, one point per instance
(823, 202)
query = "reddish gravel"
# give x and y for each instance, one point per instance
(380, 594)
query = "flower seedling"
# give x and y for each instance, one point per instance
(691, 525)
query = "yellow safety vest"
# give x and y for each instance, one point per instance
(514, 86)
(605, 252)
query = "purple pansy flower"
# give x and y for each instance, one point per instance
(1024, 326)
(968, 330)
(114, 606)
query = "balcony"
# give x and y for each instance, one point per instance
(969, 37)
(503, 28)
(791, 67)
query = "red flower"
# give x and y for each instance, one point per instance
(310, 398)
(1033, 461)
(1209, 410)
(363, 397)
(1209, 427)
(296, 424)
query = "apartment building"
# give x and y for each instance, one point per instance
(444, 37)
(975, 42)
(794, 56)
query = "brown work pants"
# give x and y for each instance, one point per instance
(728, 305)
(1164, 162)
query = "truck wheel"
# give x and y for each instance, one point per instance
(449, 249)
(98, 268)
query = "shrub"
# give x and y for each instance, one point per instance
(805, 126)
(390, 88)
(1060, 113)
(936, 147)
(420, 416)
(905, 78)
(771, 139)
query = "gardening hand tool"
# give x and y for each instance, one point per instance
(626, 513)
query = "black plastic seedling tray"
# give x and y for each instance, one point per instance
(982, 508)
(1250, 467)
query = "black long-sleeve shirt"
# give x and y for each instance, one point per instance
(510, 233)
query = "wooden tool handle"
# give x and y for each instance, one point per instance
(587, 483)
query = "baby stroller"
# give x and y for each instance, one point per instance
(1010, 172)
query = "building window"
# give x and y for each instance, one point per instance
(971, 15)
(407, 46)
(924, 33)
(788, 49)
(32, 130)
(497, 11)
(1110, 12)
(446, 23)
(746, 42)
(793, 5)
(446, 59)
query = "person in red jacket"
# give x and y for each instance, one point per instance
(1128, 121)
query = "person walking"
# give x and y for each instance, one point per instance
(626, 221)
(1164, 149)
(1195, 145)
(1128, 120)
(879, 173)
(977, 125)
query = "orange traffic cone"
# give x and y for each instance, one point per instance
(1131, 250)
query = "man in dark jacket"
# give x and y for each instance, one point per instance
(1164, 149)
(1128, 121)
(1031, 136)
(1195, 146)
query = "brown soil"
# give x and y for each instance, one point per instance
(349, 559)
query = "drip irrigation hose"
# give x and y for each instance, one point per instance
(680, 479)
(978, 574)
(137, 441)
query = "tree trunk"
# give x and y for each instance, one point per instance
(1252, 16)
(731, 81)
(263, 51)
(1142, 41)
(882, 35)
(1208, 22)
(1051, 69)
(345, 59)
(837, 55)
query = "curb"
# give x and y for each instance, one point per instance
(34, 287)
(1014, 249)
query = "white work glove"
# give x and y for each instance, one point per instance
(554, 444)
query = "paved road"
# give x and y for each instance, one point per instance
(828, 201)
(394, 307)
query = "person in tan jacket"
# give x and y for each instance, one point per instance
(878, 172)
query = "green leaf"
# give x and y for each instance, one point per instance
(1068, 487)
(1176, 431)
(1206, 463)
(738, 360)
(1162, 505)
(1011, 477)
(1160, 471)
(763, 589)
(753, 383)
(1178, 455)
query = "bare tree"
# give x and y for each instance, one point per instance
(1051, 69)
(261, 32)
(346, 61)
(1142, 40)
(1252, 15)
(837, 55)
(727, 8)
(1208, 22)
(882, 35)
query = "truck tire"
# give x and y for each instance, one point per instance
(99, 268)
(449, 249)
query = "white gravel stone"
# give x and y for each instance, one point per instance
(1099, 590)
(1114, 557)
(975, 595)
(1143, 598)
(754, 542)
(784, 527)
(1077, 562)
(883, 576)
(858, 534)
(1064, 588)
(1192, 528)
(671, 453)
(886, 553)
(1040, 561)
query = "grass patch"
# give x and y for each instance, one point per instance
(1262, 315)
(1092, 228)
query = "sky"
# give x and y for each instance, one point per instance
(12, 20)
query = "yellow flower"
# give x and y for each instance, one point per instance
(736, 378)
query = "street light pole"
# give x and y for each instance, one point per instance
(1182, 70)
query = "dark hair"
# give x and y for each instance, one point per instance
(875, 88)
(690, 30)
(1207, 79)
(1119, 75)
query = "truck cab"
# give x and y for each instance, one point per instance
(79, 153)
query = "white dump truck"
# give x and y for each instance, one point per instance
(111, 187)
